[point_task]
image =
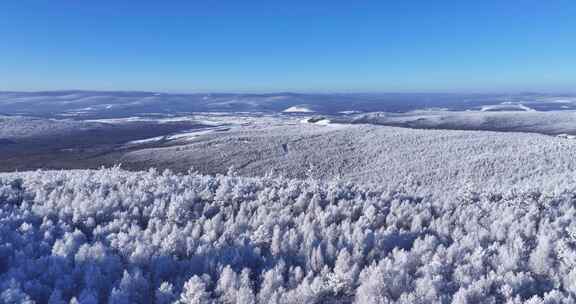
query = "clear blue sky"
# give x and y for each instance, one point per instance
(209, 45)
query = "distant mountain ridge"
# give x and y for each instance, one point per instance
(77, 103)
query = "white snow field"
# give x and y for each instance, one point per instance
(298, 109)
(112, 236)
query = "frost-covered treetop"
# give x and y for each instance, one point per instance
(112, 236)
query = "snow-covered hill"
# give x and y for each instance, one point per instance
(424, 161)
(551, 122)
(113, 236)
(17, 127)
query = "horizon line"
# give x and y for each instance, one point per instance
(303, 92)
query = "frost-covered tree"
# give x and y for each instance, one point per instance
(13, 294)
(111, 236)
(165, 294)
(194, 292)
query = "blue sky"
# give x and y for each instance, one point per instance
(400, 46)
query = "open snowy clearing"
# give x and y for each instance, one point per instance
(506, 107)
(298, 109)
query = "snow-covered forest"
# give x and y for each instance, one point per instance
(287, 152)
(113, 236)
(422, 162)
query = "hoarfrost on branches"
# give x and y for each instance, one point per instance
(112, 236)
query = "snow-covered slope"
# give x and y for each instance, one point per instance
(424, 161)
(299, 109)
(552, 122)
(12, 127)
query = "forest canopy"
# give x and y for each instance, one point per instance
(113, 236)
